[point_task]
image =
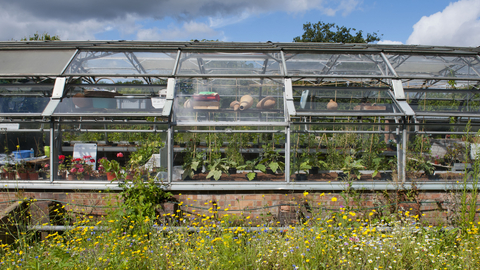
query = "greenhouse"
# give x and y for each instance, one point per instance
(237, 116)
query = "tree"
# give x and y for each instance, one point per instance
(322, 32)
(42, 37)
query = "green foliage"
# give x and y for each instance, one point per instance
(43, 37)
(110, 165)
(217, 167)
(140, 199)
(144, 152)
(271, 159)
(322, 32)
(352, 166)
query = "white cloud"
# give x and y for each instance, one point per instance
(390, 42)
(457, 25)
(76, 20)
(189, 30)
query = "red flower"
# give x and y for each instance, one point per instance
(92, 160)
(61, 157)
(47, 165)
(73, 170)
(120, 154)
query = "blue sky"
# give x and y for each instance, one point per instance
(427, 22)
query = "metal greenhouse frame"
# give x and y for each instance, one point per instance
(412, 106)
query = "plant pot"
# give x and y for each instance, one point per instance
(301, 177)
(71, 177)
(269, 171)
(33, 176)
(111, 176)
(232, 170)
(11, 176)
(313, 170)
(23, 176)
(86, 177)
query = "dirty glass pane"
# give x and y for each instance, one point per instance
(34, 62)
(444, 101)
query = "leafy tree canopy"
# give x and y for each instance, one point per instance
(42, 37)
(322, 32)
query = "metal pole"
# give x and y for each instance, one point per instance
(287, 154)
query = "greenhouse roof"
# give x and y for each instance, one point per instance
(138, 58)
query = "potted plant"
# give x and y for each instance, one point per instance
(81, 168)
(249, 165)
(62, 166)
(352, 167)
(110, 167)
(21, 169)
(192, 164)
(301, 164)
(8, 172)
(217, 167)
(32, 173)
(270, 160)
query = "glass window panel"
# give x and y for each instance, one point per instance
(230, 63)
(24, 98)
(336, 64)
(444, 101)
(101, 62)
(435, 66)
(111, 99)
(34, 62)
(342, 101)
(210, 100)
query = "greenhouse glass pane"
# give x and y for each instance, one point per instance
(230, 63)
(211, 100)
(336, 64)
(332, 101)
(435, 66)
(131, 100)
(101, 62)
(24, 99)
(450, 101)
(34, 62)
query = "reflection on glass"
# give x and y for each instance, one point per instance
(316, 99)
(442, 101)
(238, 100)
(24, 99)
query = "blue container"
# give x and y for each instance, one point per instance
(22, 154)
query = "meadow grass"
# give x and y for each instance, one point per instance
(342, 239)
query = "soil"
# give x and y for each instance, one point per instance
(331, 176)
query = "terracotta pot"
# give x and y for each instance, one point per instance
(246, 102)
(11, 175)
(62, 175)
(71, 177)
(23, 176)
(267, 102)
(86, 177)
(111, 176)
(332, 105)
(235, 105)
(33, 176)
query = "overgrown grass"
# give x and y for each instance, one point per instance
(325, 240)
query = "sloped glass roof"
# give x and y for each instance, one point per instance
(194, 63)
(339, 64)
(122, 63)
(435, 66)
(34, 62)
